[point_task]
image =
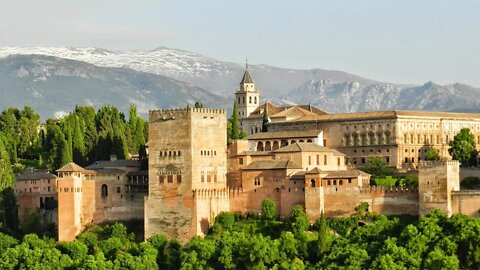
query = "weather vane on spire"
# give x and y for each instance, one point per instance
(246, 63)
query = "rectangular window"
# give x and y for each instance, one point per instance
(170, 179)
(215, 178)
(162, 179)
(387, 159)
(349, 181)
(318, 159)
(324, 159)
(119, 189)
(179, 178)
(363, 160)
(203, 177)
(240, 161)
(309, 160)
(209, 178)
(338, 161)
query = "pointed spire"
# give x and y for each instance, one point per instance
(247, 78)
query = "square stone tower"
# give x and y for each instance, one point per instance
(436, 181)
(187, 157)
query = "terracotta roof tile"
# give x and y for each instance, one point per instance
(272, 165)
(71, 167)
(306, 147)
(284, 134)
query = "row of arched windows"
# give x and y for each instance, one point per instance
(170, 153)
(208, 152)
(171, 178)
(241, 100)
(70, 189)
(272, 146)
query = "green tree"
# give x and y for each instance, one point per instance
(265, 119)
(323, 241)
(298, 220)
(79, 151)
(462, 147)
(198, 104)
(431, 154)
(6, 173)
(377, 167)
(269, 210)
(235, 124)
(8, 205)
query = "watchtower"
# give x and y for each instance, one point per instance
(187, 153)
(436, 181)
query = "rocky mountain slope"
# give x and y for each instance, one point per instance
(355, 96)
(219, 77)
(153, 79)
(54, 85)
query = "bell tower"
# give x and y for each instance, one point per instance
(247, 97)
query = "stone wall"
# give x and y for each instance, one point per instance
(187, 153)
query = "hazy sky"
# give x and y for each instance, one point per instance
(396, 41)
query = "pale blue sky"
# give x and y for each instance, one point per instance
(395, 41)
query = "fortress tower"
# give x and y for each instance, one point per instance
(436, 181)
(247, 97)
(187, 171)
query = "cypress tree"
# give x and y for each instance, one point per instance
(322, 242)
(78, 143)
(265, 119)
(235, 126)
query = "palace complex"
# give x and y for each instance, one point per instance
(306, 157)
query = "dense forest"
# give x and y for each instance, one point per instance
(83, 136)
(235, 241)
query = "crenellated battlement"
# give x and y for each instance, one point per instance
(172, 113)
(424, 164)
(208, 193)
(385, 190)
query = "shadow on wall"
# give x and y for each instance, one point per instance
(204, 225)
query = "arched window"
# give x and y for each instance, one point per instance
(260, 146)
(312, 183)
(104, 190)
(277, 189)
(255, 100)
(249, 99)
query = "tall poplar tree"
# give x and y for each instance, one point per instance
(235, 126)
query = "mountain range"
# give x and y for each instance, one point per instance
(53, 80)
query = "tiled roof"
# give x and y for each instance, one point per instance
(113, 164)
(247, 78)
(386, 115)
(284, 134)
(329, 174)
(344, 174)
(306, 147)
(31, 174)
(255, 153)
(293, 110)
(273, 109)
(71, 167)
(272, 165)
(108, 170)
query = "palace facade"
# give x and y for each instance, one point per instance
(307, 157)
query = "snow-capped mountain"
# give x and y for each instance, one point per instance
(219, 77)
(54, 85)
(192, 77)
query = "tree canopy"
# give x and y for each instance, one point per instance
(462, 147)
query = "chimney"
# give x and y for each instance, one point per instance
(113, 157)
